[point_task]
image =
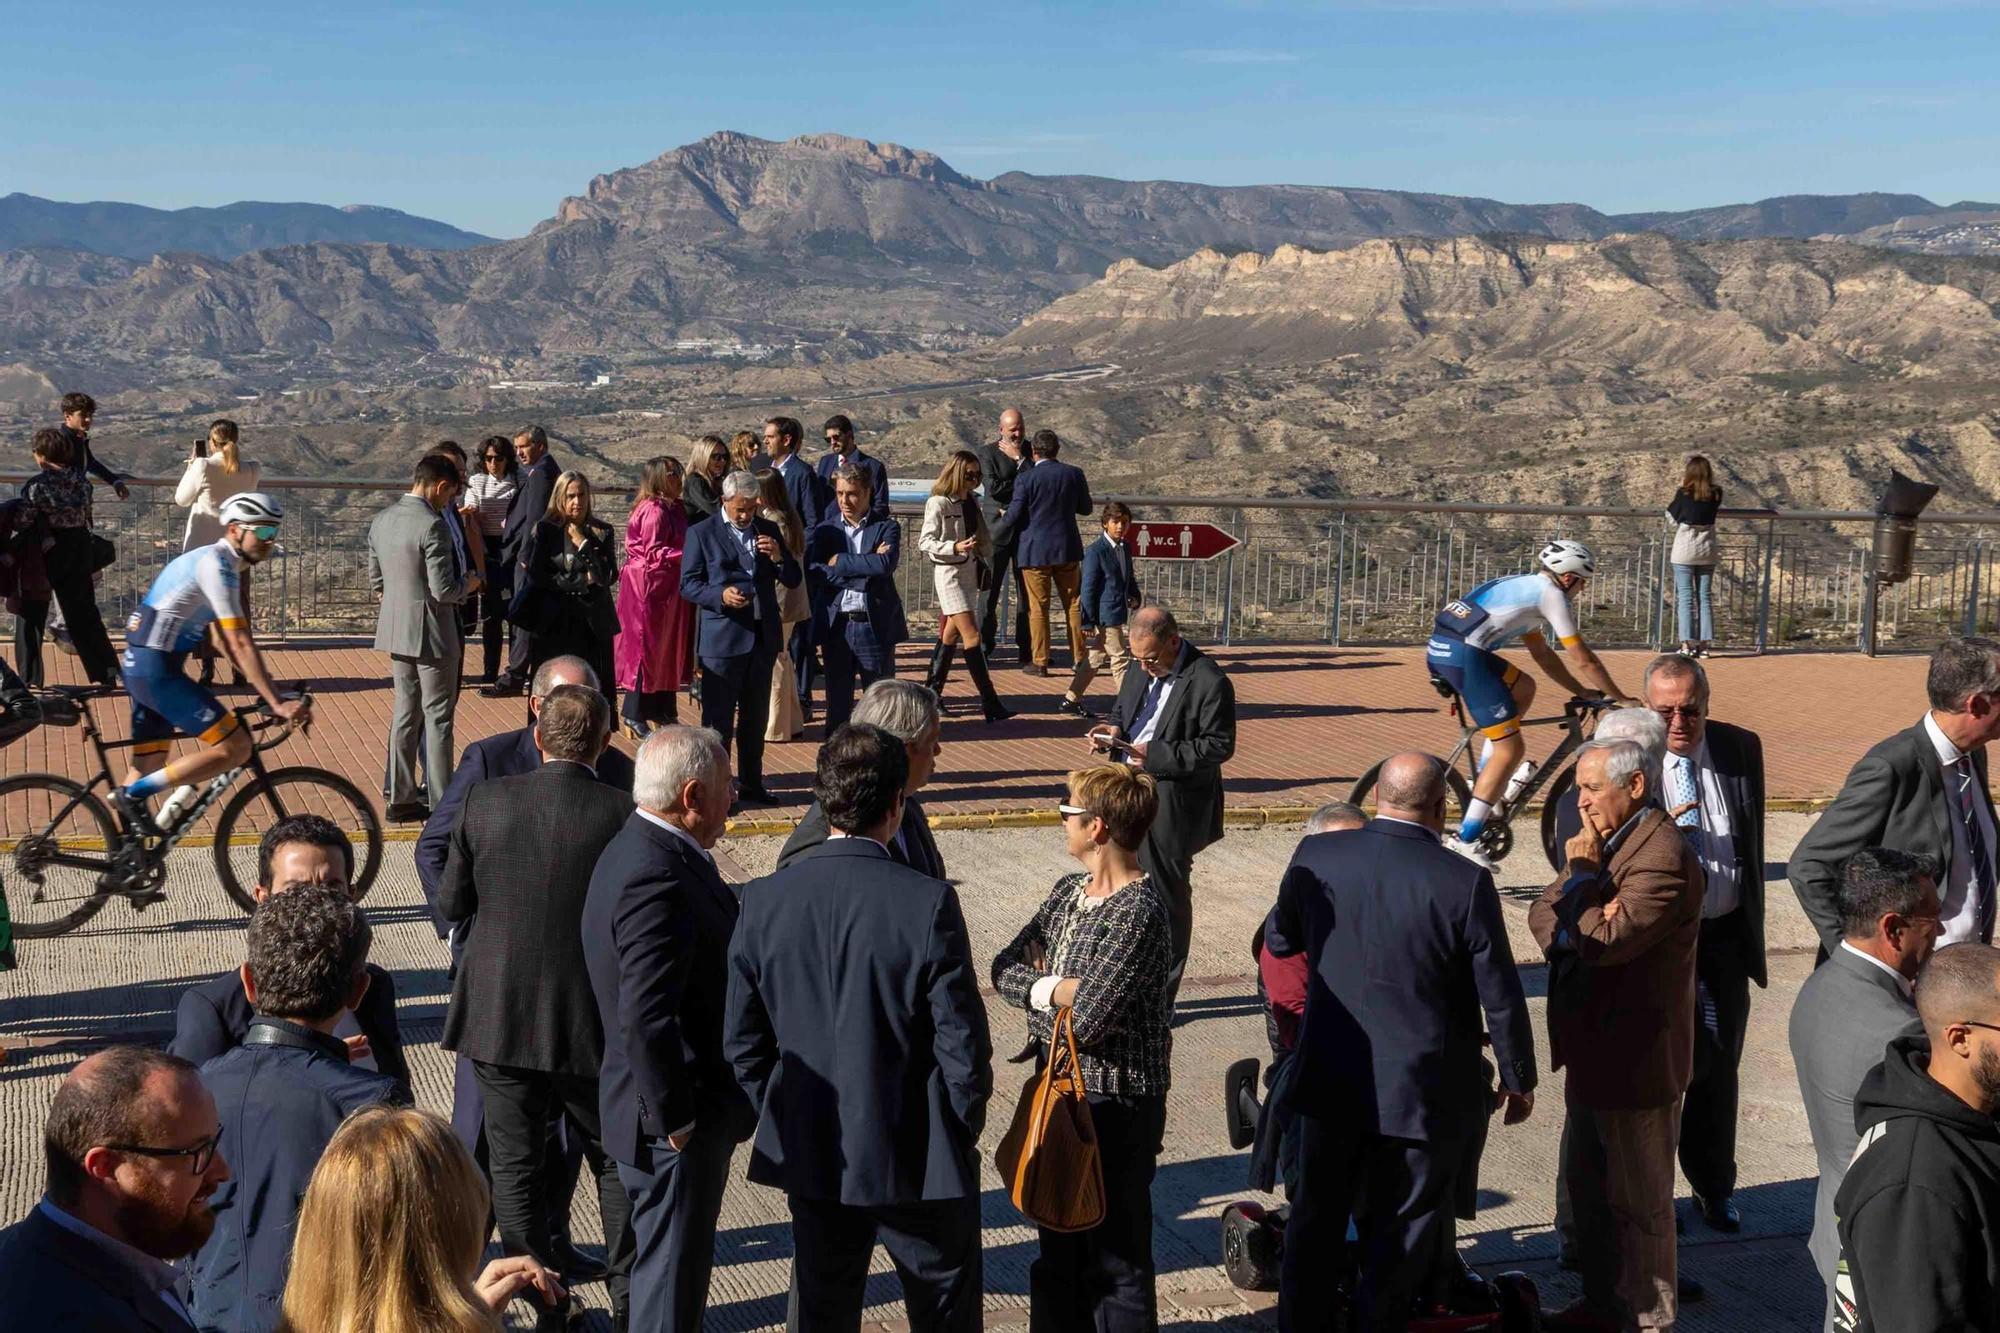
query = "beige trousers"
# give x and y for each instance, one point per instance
(1107, 650)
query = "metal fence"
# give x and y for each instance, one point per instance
(1337, 571)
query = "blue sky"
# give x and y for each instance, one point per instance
(486, 114)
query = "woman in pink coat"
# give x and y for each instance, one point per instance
(656, 627)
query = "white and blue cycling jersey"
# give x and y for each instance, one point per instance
(1502, 610)
(197, 588)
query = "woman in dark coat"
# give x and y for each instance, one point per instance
(572, 564)
(707, 463)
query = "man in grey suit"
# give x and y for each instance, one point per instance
(1921, 790)
(1850, 1009)
(418, 583)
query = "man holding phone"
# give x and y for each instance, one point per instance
(731, 570)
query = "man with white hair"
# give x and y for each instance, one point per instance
(1619, 929)
(909, 712)
(656, 928)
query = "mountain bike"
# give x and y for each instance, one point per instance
(64, 853)
(1556, 772)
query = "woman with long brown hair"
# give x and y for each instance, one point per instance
(216, 470)
(390, 1232)
(490, 489)
(1694, 555)
(788, 716)
(655, 624)
(956, 539)
(743, 447)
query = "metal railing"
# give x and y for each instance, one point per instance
(1359, 572)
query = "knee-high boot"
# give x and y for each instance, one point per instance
(941, 655)
(989, 699)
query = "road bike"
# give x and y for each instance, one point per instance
(1557, 773)
(65, 853)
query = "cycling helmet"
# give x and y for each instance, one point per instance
(251, 507)
(1567, 557)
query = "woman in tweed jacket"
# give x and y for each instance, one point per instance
(1100, 947)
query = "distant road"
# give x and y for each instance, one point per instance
(1066, 375)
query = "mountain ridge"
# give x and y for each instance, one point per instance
(226, 231)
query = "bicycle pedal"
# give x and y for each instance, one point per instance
(141, 901)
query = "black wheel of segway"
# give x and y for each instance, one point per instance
(1520, 1303)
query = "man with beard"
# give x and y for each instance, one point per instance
(131, 1147)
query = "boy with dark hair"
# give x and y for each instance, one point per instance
(1110, 595)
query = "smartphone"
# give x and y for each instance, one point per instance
(200, 447)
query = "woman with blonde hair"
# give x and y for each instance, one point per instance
(571, 560)
(655, 623)
(707, 465)
(1694, 555)
(216, 470)
(956, 539)
(788, 716)
(390, 1232)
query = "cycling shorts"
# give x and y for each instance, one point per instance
(1483, 679)
(165, 701)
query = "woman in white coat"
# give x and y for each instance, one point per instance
(216, 470)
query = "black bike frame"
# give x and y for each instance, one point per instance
(1572, 720)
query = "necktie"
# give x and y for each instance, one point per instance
(1975, 842)
(1149, 707)
(1681, 771)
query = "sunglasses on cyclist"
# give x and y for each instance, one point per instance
(265, 532)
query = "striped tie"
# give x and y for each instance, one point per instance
(1975, 843)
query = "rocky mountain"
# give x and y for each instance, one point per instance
(134, 231)
(1964, 229)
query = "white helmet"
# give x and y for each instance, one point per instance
(252, 507)
(1567, 557)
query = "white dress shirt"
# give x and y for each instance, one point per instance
(853, 599)
(1902, 982)
(1958, 906)
(677, 831)
(1712, 837)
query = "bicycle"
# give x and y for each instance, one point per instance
(63, 844)
(1497, 838)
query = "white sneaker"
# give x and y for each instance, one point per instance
(1469, 850)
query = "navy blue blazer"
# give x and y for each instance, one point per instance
(1407, 947)
(856, 1029)
(712, 561)
(874, 576)
(212, 1018)
(656, 927)
(811, 495)
(52, 1278)
(1110, 587)
(507, 755)
(1048, 498)
(530, 505)
(878, 477)
(279, 1104)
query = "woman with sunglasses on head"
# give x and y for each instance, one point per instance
(1100, 947)
(490, 488)
(655, 623)
(216, 470)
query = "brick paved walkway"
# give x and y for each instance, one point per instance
(1310, 720)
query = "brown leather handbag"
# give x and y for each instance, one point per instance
(1050, 1158)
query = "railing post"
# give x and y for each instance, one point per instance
(1764, 586)
(1660, 597)
(1972, 592)
(1229, 593)
(1339, 577)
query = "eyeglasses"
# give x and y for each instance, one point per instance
(1066, 811)
(203, 1153)
(1968, 1023)
(265, 532)
(1688, 712)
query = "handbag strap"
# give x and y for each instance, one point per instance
(1067, 1076)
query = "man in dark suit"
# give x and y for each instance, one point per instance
(1407, 947)
(1177, 720)
(909, 712)
(1922, 790)
(812, 498)
(1041, 522)
(536, 482)
(1619, 931)
(521, 859)
(842, 452)
(286, 1088)
(855, 974)
(656, 928)
(1849, 1011)
(132, 1160)
(1000, 463)
(731, 570)
(851, 561)
(213, 1017)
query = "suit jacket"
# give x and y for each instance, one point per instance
(811, 496)
(279, 1105)
(918, 848)
(1738, 757)
(213, 1016)
(417, 579)
(509, 754)
(52, 1278)
(1407, 947)
(714, 560)
(1621, 989)
(997, 474)
(530, 505)
(1847, 1011)
(874, 576)
(1041, 520)
(1109, 585)
(1195, 737)
(521, 858)
(867, 464)
(856, 1029)
(1895, 796)
(656, 928)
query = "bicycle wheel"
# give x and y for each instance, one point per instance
(285, 792)
(43, 818)
(1461, 794)
(1551, 842)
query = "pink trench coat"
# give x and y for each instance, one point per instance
(656, 627)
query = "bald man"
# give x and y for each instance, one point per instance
(1919, 1211)
(1390, 1089)
(999, 463)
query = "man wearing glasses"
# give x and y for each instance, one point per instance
(131, 1145)
(841, 451)
(1712, 784)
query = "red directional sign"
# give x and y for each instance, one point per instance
(1180, 541)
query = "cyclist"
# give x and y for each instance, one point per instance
(197, 587)
(1495, 691)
